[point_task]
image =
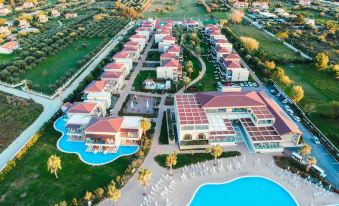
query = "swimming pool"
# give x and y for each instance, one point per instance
(244, 191)
(79, 148)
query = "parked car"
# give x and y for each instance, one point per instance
(319, 170)
(250, 84)
(272, 91)
(297, 157)
(290, 112)
(287, 107)
(241, 84)
(296, 118)
(315, 139)
(255, 84)
(278, 94)
(246, 85)
(285, 101)
(219, 84)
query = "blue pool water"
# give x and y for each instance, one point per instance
(245, 191)
(80, 148)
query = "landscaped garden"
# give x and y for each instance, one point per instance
(16, 115)
(138, 83)
(192, 158)
(163, 138)
(153, 56)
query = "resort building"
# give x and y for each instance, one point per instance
(42, 18)
(174, 50)
(157, 84)
(233, 71)
(4, 30)
(55, 13)
(260, 5)
(125, 58)
(9, 47)
(107, 134)
(240, 4)
(71, 15)
(28, 5)
(166, 43)
(304, 2)
(223, 43)
(4, 11)
(223, 117)
(169, 69)
(139, 38)
(161, 34)
(218, 52)
(23, 24)
(190, 24)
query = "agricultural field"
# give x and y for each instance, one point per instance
(320, 88)
(184, 9)
(53, 68)
(16, 115)
(274, 49)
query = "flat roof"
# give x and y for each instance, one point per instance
(189, 110)
(260, 134)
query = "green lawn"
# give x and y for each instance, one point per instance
(16, 115)
(54, 67)
(188, 159)
(320, 88)
(274, 49)
(184, 9)
(163, 139)
(7, 57)
(153, 56)
(138, 83)
(29, 183)
(196, 64)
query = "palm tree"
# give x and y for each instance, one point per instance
(216, 151)
(88, 197)
(188, 64)
(99, 193)
(115, 196)
(145, 125)
(310, 161)
(171, 160)
(305, 150)
(54, 164)
(189, 70)
(144, 178)
(186, 81)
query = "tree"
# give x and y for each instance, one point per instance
(62, 203)
(54, 164)
(216, 151)
(270, 65)
(300, 19)
(75, 202)
(282, 35)
(223, 23)
(186, 81)
(285, 81)
(3, 21)
(236, 16)
(99, 193)
(144, 176)
(171, 160)
(249, 43)
(310, 108)
(88, 197)
(115, 196)
(332, 109)
(305, 150)
(145, 125)
(189, 70)
(321, 61)
(297, 93)
(310, 161)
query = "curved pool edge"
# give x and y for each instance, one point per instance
(79, 155)
(234, 179)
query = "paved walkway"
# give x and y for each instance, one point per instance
(50, 106)
(128, 86)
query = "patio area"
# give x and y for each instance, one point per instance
(138, 104)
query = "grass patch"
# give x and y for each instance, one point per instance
(196, 64)
(7, 57)
(319, 88)
(16, 115)
(274, 49)
(54, 67)
(163, 138)
(138, 83)
(31, 179)
(153, 56)
(188, 159)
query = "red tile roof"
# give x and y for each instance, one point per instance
(231, 64)
(121, 55)
(229, 99)
(230, 57)
(189, 110)
(95, 86)
(167, 55)
(171, 63)
(283, 123)
(166, 31)
(130, 48)
(222, 50)
(105, 125)
(82, 107)
(137, 36)
(132, 43)
(174, 49)
(169, 38)
(114, 66)
(111, 75)
(221, 41)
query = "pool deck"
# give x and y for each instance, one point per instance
(183, 190)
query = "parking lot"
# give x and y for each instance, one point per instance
(324, 160)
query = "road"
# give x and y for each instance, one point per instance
(50, 106)
(324, 159)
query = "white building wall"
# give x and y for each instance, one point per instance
(239, 75)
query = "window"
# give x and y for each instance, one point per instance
(239, 109)
(201, 127)
(187, 137)
(201, 136)
(187, 128)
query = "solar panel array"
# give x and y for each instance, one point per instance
(189, 110)
(262, 113)
(260, 134)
